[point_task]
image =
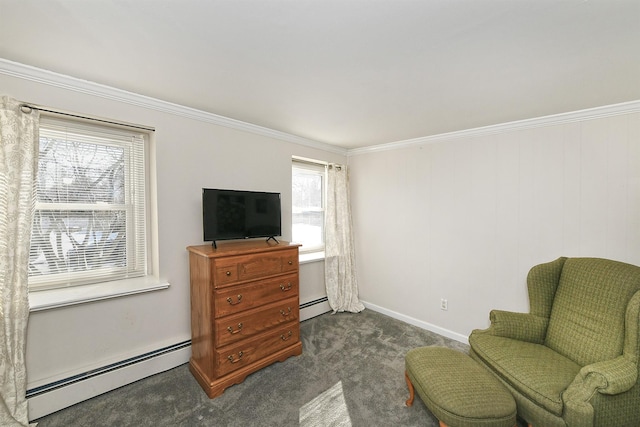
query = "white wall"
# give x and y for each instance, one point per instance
(458, 218)
(191, 154)
(464, 218)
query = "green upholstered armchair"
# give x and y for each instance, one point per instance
(573, 360)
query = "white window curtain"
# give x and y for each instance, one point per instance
(340, 259)
(18, 166)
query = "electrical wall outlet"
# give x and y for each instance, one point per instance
(444, 304)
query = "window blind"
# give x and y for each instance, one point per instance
(90, 218)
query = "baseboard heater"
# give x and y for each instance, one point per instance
(314, 308)
(314, 302)
(127, 362)
(52, 397)
(105, 369)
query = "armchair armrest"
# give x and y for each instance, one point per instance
(608, 377)
(518, 326)
(611, 377)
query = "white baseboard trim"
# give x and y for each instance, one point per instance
(62, 394)
(419, 323)
(53, 397)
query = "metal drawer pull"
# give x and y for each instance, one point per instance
(290, 262)
(286, 313)
(230, 300)
(284, 288)
(231, 331)
(232, 360)
(284, 337)
(228, 273)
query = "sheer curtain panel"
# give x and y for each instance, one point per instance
(18, 166)
(340, 260)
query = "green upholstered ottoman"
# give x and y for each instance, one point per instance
(457, 390)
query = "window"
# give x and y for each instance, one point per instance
(90, 219)
(308, 202)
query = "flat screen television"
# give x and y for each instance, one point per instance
(234, 214)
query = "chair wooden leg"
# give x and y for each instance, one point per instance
(442, 424)
(409, 401)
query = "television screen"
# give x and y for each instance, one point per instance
(232, 214)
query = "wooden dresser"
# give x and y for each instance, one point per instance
(244, 310)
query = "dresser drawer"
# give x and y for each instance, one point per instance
(246, 324)
(229, 270)
(225, 272)
(290, 261)
(251, 295)
(248, 351)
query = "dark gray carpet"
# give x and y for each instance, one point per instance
(364, 352)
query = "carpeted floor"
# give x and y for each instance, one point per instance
(351, 373)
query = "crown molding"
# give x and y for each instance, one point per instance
(50, 78)
(551, 120)
(53, 79)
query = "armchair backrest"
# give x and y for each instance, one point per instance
(587, 321)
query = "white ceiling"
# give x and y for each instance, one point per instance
(343, 72)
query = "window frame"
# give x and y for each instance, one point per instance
(320, 168)
(51, 294)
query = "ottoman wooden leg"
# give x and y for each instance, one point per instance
(409, 401)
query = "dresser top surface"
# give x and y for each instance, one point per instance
(240, 248)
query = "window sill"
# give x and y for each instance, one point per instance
(311, 257)
(62, 297)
